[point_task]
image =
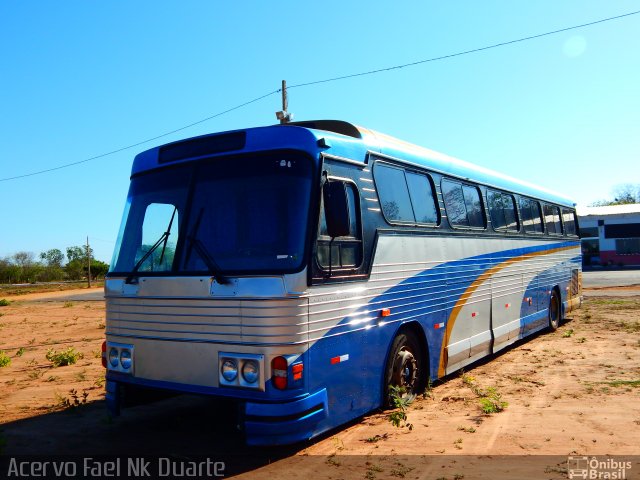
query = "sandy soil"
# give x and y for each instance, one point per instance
(31, 385)
(572, 392)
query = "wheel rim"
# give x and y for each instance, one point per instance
(406, 371)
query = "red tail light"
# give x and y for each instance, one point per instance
(279, 372)
(104, 354)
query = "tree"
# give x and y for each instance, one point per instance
(98, 269)
(76, 267)
(77, 253)
(53, 265)
(77, 262)
(623, 194)
(23, 259)
(28, 268)
(53, 258)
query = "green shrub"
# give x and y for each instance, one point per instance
(4, 302)
(65, 357)
(5, 360)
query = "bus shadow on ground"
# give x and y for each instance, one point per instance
(183, 427)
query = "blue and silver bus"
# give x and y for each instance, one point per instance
(301, 270)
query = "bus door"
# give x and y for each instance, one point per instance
(506, 300)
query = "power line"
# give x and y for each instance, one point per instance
(466, 52)
(140, 142)
(327, 80)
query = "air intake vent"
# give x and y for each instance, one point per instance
(202, 146)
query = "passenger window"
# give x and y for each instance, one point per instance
(502, 208)
(463, 204)
(393, 193)
(569, 221)
(405, 196)
(552, 219)
(454, 204)
(342, 252)
(474, 206)
(422, 198)
(531, 215)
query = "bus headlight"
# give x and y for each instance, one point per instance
(241, 370)
(250, 371)
(229, 370)
(113, 357)
(125, 359)
(120, 358)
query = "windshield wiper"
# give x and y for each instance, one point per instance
(194, 242)
(163, 239)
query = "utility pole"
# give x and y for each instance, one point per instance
(88, 263)
(284, 116)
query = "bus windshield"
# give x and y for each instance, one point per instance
(229, 215)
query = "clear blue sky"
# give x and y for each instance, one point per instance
(82, 78)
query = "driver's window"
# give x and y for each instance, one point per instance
(159, 218)
(346, 252)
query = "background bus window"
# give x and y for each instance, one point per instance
(530, 210)
(346, 252)
(552, 219)
(502, 208)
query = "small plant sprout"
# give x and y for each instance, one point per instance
(400, 402)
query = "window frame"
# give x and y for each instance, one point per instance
(405, 170)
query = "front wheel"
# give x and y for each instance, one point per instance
(406, 367)
(554, 311)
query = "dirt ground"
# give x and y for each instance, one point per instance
(29, 328)
(572, 392)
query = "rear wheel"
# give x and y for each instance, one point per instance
(406, 366)
(554, 311)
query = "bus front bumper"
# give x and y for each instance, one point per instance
(287, 422)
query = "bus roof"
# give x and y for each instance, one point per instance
(340, 139)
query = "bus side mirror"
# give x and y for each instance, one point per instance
(336, 208)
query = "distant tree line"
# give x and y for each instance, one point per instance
(50, 266)
(622, 195)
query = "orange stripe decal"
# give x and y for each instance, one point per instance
(455, 311)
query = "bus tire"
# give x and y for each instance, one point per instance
(404, 366)
(554, 311)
